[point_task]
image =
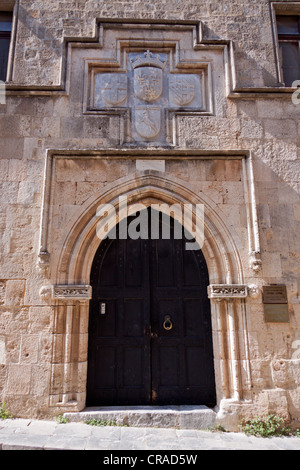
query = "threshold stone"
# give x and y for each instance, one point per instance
(182, 417)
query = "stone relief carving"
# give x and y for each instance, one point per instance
(65, 292)
(215, 291)
(111, 89)
(147, 94)
(148, 83)
(183, 89)
(224, 291)
(255, 261)
(45, 292)
(254, 291)
(72, 292)
(148, 76)
(147, 121)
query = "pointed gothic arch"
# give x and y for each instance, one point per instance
(71, 266)
(73, 263)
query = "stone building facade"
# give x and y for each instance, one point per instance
(161, 102)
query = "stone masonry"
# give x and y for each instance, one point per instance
(67, 144)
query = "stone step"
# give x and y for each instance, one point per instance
(182, 417)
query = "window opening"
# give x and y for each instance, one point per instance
(288, 28)
(5, 37)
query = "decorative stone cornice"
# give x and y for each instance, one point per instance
(71, 292)
(227, 291)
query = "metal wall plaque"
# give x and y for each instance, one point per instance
(276, 313)
(275, 304)
(274, 295)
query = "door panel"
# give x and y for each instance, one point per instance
(194, 375)
(164, 264)
(105, 373)
(119, 339)
(134, 318)
(132, 367)
(133, 268)
(153, 344)
(106, 326)
(168, 366)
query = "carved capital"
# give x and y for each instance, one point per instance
(71, 292)
(227, 291)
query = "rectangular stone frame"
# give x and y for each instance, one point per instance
(71, 302)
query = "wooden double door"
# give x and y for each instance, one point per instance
(150, 338)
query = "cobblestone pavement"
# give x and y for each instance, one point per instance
(23, 434)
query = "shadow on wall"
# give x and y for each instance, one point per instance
(269, 127)
(249, 71)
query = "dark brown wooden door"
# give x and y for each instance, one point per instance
(150, 339)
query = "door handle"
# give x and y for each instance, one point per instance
(167, 324)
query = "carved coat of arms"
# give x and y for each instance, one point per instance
(148, 121)
(182, 89)
(148, 87)
(148, 83)
(113, 89)
(145, 91)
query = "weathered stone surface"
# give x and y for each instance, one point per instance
(182, 417)
(19, 380)
(69, 142)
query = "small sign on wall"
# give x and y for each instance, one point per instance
(275, 304)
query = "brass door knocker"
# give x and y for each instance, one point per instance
(168, 325)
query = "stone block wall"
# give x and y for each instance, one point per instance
(43, 29)
(44, 112)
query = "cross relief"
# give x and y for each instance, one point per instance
(148, 93)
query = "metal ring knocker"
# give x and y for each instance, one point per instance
(168, 325)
